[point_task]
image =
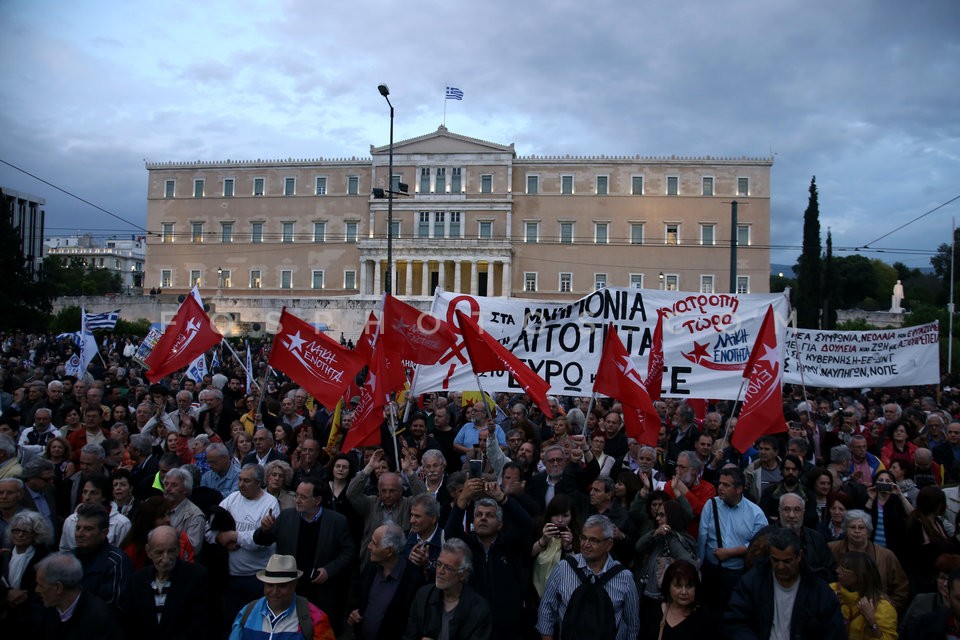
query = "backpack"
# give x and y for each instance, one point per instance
(303, 617)
(590, 611)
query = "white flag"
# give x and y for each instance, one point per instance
(198, 368)
(87, 346)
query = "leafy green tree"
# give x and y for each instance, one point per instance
(70, 276)
(941, 267)
(24, 302)
(808, 292)
(857, 324)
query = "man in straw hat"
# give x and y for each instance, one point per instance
(281, 614)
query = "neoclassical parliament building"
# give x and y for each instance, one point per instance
(478, 219)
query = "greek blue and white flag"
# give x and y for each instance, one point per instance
(454, 94)
(198, 368)
(106, 320)
(87, 349)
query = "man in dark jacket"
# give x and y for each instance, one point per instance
(381, 602)
(72, 613)
(941, 623)
(183, 612)
(471, 618)
(781, 598)
(320, 541)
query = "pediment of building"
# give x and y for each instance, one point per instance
(442, 141)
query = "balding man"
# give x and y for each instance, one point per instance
(222, 475)
(389, 503)
(42, 430)
(178, 609)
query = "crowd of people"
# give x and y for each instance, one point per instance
(205, 509)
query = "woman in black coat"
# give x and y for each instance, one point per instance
(26, 542)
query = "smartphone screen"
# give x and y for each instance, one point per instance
(476, 468)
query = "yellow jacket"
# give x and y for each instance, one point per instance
(856, 624)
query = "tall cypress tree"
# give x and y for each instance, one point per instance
(808, 295)
(829, 287)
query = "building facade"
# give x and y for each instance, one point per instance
(478, 219)
(126, 257)
(25, 214)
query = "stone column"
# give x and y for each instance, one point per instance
(377, 288)
(473, 277)
(409, 272)
(506, 278)
(442, 270)
(456, 277)
(362, 277)
(425, 278)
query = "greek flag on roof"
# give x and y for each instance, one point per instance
(454, 94)
(105, 320)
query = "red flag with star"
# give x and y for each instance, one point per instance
(316, 362)
(189, 334)
(365, 342)
(762, 411)
(487, 354)
(617, 377)
(654, 380)
(411, 334)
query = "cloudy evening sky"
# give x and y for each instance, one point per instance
(862, 93)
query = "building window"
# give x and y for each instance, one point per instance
(706, 186)
(599, 281)
(486, 183)
(454, 224)
(743, 284)
(395, 229)
(319, 231)
(194, 277)
(289, 186)
(256, 233)
(636, 280)
(349, 279)
(441, 180)
(196, 232)
(226, 281)
(601, 232)
(316, 279)
(672, 233)
(743, 235)
(350, 231)
(485, 231)
(743, 186)
(166, 278)
(424, 180)
(636, 233)
(395, 181)
(673, 185)
(531, 234)
(438, 224)
(353, 185)
(706, 284)
(566, 233)
(169, 188)
(255, 279)
(259, 186)
(603, 183)
(566, 185)
(228, 187)
(286, 279)
(226, 232)
(533, 185)
(166, 232)
(530, 281)
(672, 282)
(708, 234)
(566, 282)
(287, 228)
(198, 188)
(456, 180)
(423, 226)
(321, 186)
(636, 185)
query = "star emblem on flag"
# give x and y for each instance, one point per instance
(699, 353)
(296, 342)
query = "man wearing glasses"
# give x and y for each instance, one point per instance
(449, 608)
(594, 562)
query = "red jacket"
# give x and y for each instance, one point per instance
(697, 496)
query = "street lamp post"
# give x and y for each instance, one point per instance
(388, 288)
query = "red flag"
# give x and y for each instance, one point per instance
(364, 346)
(189, 334)
(411, 334)
(487, 354)
(316, 362)
(654, 380)
(374, 396)
(762, 411)
(618, 378)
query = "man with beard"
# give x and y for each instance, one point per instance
(790, 469)
(816, 554)
(527, 459)
(688, 484)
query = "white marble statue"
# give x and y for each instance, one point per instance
(896, 298)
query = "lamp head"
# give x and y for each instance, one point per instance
(384, 90)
